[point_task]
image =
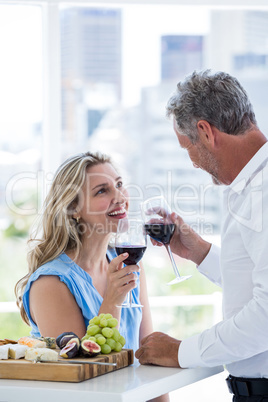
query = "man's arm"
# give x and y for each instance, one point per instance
(244, 334)
(159, 348)
(163, 350)
(186, 243)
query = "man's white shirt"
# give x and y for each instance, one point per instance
(240, 267)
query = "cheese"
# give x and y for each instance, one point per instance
(4, 352)
(17, 351)
(41, 354)
(50, 342)
(32, 343)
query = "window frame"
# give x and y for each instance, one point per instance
(209, 3)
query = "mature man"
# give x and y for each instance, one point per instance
(214, 121)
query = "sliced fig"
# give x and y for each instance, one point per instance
(90, 348)
(70, 350)
(74, 339)
(59, 338)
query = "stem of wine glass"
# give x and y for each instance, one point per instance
(176, 272)
(130, 298)
(127, 300)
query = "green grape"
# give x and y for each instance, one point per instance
(95, 320)
(98, 335)
(93, 330)
(118, 347)
(105, 349)
(111, 342)
(122, 340)
(116, 334)
(85, 337)
(112, 322)
(103, 322)
(101, 340)
(107, 332)
(102, 330)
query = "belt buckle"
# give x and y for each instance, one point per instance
(238, 387)
(244, 389)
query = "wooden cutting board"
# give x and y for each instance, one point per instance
(26, 370)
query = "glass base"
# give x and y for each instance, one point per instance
(130, 305)
(179, 279)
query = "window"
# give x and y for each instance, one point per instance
(97, 77)
(21, 121)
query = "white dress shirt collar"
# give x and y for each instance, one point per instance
(240, 182)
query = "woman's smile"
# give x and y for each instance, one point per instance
(118, 213)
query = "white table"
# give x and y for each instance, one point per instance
(135, 383)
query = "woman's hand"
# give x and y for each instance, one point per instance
(185, 242)
(119, 282)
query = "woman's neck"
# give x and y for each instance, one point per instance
(92, 254)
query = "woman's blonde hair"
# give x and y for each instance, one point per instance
(60, 231)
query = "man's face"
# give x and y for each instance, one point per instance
(199, 155)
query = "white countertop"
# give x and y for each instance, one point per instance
(135, 383)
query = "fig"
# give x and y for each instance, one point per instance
(65, 334)
(67, 339)
(70, 350)
(90, 348)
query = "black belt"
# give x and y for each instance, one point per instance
(247, 386)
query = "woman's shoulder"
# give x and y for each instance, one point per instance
(59, 266)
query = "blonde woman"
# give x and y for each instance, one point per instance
(73, 273)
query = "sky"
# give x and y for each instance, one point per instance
(142, 30)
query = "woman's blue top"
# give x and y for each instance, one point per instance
(79, 282)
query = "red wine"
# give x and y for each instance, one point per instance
(160, 232)
(135, 253)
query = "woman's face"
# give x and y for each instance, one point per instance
(103, 201)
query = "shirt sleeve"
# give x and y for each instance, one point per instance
(210, 266)
(189, 354)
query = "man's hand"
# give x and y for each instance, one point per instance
(159, 349)
(185, 242)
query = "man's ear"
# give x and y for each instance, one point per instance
(206, 133)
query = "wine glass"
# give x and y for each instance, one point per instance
(130, 238)
(159, 226)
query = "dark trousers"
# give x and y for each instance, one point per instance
(250, 398)
(248, 389)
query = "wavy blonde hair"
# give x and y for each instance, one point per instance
(59, 230)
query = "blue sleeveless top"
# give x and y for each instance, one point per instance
(79, 283)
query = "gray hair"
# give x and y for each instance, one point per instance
(217, 98)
